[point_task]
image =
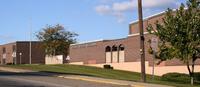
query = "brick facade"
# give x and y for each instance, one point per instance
(94, 52)
(13, 50)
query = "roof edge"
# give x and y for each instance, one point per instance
(151, 16)
(87, 42)
(137, 34)
(148, 17)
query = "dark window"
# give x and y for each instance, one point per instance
(121, 47)
(4, 50)
(14, 48)
(108, 49)
(114, 48)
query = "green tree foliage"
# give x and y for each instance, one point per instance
(56, 40)
(179, 35)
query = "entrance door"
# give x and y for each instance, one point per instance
(121, 53)
(114, 57)
(114, 54)
(121, 56)
(108, 54)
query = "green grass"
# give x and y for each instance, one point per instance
(98, 72)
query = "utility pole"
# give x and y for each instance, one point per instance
(30, 44)
(142, 54)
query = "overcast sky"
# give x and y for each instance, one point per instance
(91, 19)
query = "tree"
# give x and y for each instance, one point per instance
(179, 35)
(56, 40)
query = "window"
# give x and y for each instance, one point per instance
(115, 54)
(121, 47)
(108, 49)
(4, 50)
(114, 48)
(14, 48)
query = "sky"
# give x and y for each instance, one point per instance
(91, 19)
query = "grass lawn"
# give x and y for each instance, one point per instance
(99, 72)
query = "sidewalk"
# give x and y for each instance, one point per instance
(111, 81)
(14, 70)
(85, 78)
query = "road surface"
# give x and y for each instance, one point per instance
(8, 79)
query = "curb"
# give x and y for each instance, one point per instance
(14, 70)
(100, 81)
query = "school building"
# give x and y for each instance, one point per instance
(124, 53)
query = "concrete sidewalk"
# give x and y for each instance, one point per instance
(85, 78)
(111, 81)
(14, 70)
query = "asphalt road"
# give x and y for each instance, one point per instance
(8, 79)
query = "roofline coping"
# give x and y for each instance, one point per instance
(95, 41)
(88, 42)
(136, 34)
(151, 16)
(146, 18)
(14, 42)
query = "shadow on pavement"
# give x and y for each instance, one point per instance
(41, 73)
(4, 73)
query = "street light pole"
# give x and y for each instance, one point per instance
(140, 14)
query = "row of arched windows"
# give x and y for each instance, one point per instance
(115, 54)
(114, 48)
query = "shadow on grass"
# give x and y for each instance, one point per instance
(59, 73)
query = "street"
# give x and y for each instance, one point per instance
(10, 79)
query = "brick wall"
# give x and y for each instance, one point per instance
(96, 52)
(89, 52)
(8, 52)
(38, 53)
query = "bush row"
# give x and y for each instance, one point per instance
(180, 77)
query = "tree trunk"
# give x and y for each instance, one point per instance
(192, 72)
(192, 75)
(188, 67)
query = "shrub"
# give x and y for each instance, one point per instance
(180, 77)
(9, 63)
(176, 77)
(107, 66)
(197, 77)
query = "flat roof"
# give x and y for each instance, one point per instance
(154, 15)
(19, 42)
(137, 34)
(93, 41)
(148, 17)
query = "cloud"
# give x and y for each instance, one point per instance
(106, 1)
(159, 3)
(6, 37)
(120, 17)
(123, 6)
(103, 9)
(119, 8)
